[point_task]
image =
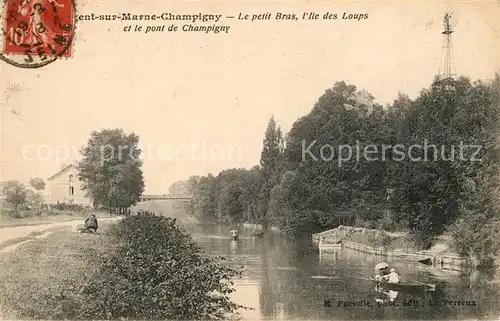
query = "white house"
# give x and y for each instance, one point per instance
(65, 187)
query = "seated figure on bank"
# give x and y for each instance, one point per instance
(91, 223)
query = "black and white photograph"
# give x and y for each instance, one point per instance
(240, 160)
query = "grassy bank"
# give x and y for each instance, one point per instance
(32, 235)
(46, 218)
(35, 278)
(380, 239)
(143, 267)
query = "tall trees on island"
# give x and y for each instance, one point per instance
(329, 183)
(438, 171)
(110, 169)
(460, 126)
(476, 232)
(238, 195)
(271, 162)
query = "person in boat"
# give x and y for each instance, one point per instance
(382, 270)
(91, 223)
(392, 277)
(384, 274)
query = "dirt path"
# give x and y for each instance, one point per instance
(28, 233)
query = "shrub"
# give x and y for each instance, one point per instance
(158, 272)
(70, 207)
(370, 225)
(381, 239)
(387, 222)
(405, 242)
(403, 225)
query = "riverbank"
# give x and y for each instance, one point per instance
(69, 275)
(48, 218)
(387, 244)
(260, 227)
(35, 277)
(370, 237)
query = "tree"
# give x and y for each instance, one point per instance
(432, 194)
(203, 203)
(192, 182)
(37, 183)
(231, 204)
(15, 195)
(330, 182)
(185, 187)
(277, 206)
(252, 182)
(180, 188)
(476, 232)
(272, 151)
(229, 197)
(110, 169)
(436, 193)
(36, 198)
(271, 161)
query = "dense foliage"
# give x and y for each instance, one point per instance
(143, 268)
(22, 200)
(238, 195)
(16, 195)
(181, 188)
(158, 273)
(438, 174)
(37, 183)
(110, 169)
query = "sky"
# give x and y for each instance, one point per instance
(200, 102)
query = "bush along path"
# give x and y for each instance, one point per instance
(157, 272)
(143, 267)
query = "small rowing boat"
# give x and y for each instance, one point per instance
(257, 233)
(427, 261)
(405, 286)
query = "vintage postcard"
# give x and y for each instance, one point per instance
(224, 160)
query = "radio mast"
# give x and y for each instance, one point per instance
(447, 70)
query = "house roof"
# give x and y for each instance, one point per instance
(61, 171)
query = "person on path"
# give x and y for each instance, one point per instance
(91, 223)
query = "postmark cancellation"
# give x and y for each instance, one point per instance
(36, 32)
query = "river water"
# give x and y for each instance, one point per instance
(289, 280)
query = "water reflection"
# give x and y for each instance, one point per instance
(288, 280)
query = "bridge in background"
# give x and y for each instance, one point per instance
(165, 197)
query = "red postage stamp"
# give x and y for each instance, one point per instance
(37, 32)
